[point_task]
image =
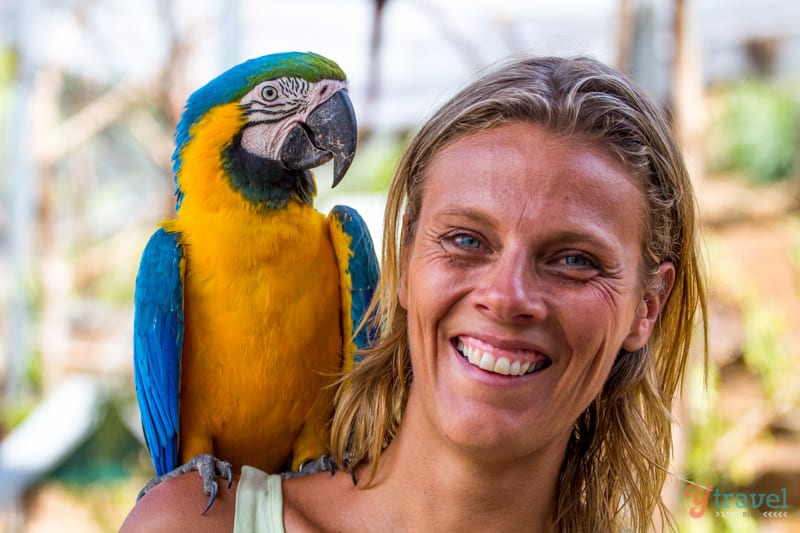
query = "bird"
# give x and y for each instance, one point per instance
(247, 303)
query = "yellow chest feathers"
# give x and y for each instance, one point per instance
(228, 251)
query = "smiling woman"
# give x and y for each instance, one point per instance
(540, 288)
(531, 202)
(540, 233)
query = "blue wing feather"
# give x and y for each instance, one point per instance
(157, 346)
(363, 269)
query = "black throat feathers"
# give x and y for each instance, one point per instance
(265, 182)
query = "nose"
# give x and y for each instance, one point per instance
(508, 290)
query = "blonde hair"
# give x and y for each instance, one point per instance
(618, 455)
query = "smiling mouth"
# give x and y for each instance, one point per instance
(491, 360)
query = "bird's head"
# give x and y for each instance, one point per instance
(266, 123)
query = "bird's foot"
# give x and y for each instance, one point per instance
(207, 466)
(323, 463)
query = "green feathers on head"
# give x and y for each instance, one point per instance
(309, 66)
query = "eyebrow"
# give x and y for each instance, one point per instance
(468, 213)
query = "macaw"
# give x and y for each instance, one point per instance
(246, 303)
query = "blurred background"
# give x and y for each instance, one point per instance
(91, 90)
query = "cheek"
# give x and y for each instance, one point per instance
(591, 354)
(430, 293)
(609, 309)
(433, 283)
(595, 324)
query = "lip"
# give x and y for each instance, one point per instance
(516, 355)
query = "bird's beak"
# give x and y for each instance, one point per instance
(329, 132)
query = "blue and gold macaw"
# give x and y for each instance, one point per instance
(247, 302)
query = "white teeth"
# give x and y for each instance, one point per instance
(502, 366)
(488, 362)
(474, 356)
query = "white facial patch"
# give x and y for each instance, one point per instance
(274, 107)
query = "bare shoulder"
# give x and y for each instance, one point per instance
(319, 502)
(177, 505)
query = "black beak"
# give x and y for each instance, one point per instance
(329, 132)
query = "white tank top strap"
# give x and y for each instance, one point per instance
(259, 503)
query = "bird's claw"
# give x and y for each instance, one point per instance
(211, 497)
(323, 463)
(207, 466)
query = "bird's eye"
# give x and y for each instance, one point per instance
(269, 93)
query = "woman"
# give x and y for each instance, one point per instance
(539, 291)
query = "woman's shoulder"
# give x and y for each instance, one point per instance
(320, 502)
(177, 505)
(256, 502)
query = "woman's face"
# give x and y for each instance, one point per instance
(521, 285)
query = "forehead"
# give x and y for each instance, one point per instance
(523, 168)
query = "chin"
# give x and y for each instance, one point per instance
(492, 433)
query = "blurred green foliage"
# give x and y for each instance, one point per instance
(754, 130)
(372, 168)
(14, 412)
(713, 429)
(110, 453)
(8, 64)
(765, 353)
(7, 67)
(705, 424)
(372, 171)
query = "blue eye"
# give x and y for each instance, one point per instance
(580, 261)
(467, 242)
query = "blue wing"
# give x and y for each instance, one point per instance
(157, 346)
(362, 267)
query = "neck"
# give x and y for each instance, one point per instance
(432, 487)
(265, 182)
